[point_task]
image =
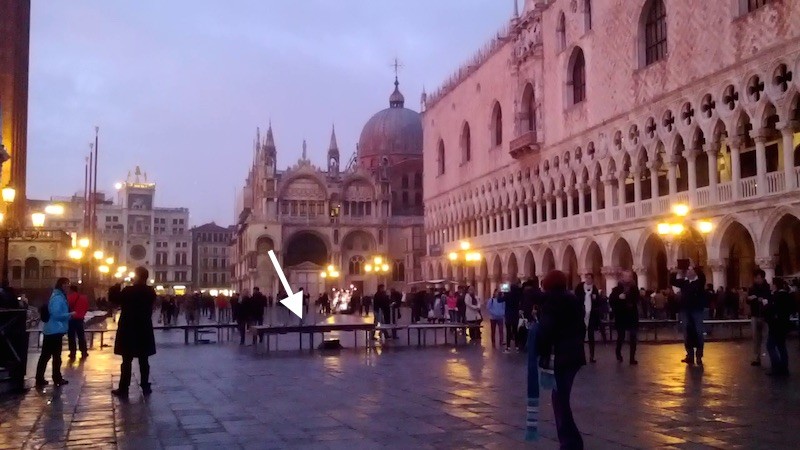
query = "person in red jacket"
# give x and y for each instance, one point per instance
(79, 304)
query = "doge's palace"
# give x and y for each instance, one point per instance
(579, 128)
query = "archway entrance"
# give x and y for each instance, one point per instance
(655, 260)
(304, 257)
(570, 267)
(529, 267)
(594, 264)
(548, 262)
(738, 250)
(265, 278)
(784, 245)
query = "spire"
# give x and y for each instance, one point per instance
(270, 141)
(304, 150)
(516, 8)
(396, 100)
(334, 145)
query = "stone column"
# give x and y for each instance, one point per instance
(641, 276)
(593, 187)
(691, 167)
(718, 274)
(621, 189)
(609, 196)
(673, 177)
(611, 275)
(558, 198)
(711, 150)
(530, 213)
(539, 209)
(581, 203)
(653, 167)
(736, 171)
(637, 189)
(768, 266)
(761, 163)
(514, 217)
(570, 204)
(787, 134)
(550, 207)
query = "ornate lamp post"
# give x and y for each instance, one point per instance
(465, 258)
(673, 229)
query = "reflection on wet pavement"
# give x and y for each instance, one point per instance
(441, 397)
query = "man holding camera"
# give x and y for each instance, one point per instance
(691, 281)
(758, 297)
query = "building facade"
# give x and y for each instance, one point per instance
(211, 261)
(315, 217)
(135, 232)
(572, 135)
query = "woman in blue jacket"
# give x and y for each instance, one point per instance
(54, 330)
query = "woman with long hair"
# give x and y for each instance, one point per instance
(53, 333)
(560, 335)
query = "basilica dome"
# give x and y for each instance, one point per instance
(394, 131)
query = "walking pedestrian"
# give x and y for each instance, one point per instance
(78, 305)
(260, 303)
(243, 314)
(497, 317)
(777, 314)
(587, 292)
(625, 303)
(758, 296)
(691, 282)
(473, 313)
(55, 327)
(561, 333)
(135, 337)
(511, 298)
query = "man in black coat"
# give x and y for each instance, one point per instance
(625, 302)
(259, 303)
(588, 294)
(513, 300)
(243, 314)
(382, 305)
(758, 297)
(693, 303)
(135, 337)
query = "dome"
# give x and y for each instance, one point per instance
(394, 131)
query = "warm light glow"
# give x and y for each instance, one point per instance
(103, 269)
(663, 229)
(705, 227)
(2, 217)
(118, 275)
(452, 256)
(37, 219)
(110, 260)
(378, 260)
(83, 242)
(131, 275)
(121, 269)
(335, 274)
(368, 268)
(75, 253)
(385, 267)
(98, 255)
(681, 209)
(676, 229)
(331, 268)
(54, 210)
(9, 194)
(323, 275)
(464, 245)
(117, 186)
(472, 256)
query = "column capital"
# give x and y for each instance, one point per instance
(717, 265)
(766, 263)
(711, 148)
(593, 183)
(609, 179)
(691, 154)
(609, 271)
(652, 165)
(758, 135)
(641, 270)
(789, 127)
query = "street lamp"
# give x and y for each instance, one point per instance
(54, 210)
(465, 256)
(98, 255)
(84, 242)
(377, 266)
(9, 194)
(674, 229)
(37, 220)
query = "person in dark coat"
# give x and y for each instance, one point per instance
(512, 299)
(560, 334)
(259, 304)
(625, 303)
(243, 314)
(588, 293)
(693, 304)
(777, 313)
(758, 296)
(382, 305)
(135, 337)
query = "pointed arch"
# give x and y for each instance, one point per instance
(497, 125)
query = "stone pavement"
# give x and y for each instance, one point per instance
(226, 396)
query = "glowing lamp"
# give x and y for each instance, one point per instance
(131, 274)
(368, 268)
(681, 209)
(37, 219)
(83, 242)
(121, 269)
(9, 194)
(323, 275)
(103, 269)
(705, 227)
(331, 268)
(464, 245)
(676, 229)
(663, 229)
(378, 260)
(452, 256)
(75, 253)
(117, 186)
(98, 255)
(385, 267)
(2, 217)
(335, 274)
(110, 260)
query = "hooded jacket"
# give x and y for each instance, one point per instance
(59, 314)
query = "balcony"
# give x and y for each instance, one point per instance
(524, 145)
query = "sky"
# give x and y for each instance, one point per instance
(178, 87)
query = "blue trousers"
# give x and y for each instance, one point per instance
(693, 333)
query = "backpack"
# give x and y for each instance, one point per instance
(44, 313)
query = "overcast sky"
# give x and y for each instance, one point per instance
(178, 87)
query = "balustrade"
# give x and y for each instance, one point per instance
(724, 192)
(703, 196)
(630, 211)
(749, 187)
(775, 182)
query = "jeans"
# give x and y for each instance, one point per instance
(693, 333)
(633, 333)
(778, 355)
(125, 372)
(757, 325)
(593, 327)
(453, 315)
(511, 333)
(51, 348)
(76, 330)
(568, 434)
(496, 325)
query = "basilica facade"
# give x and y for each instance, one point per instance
(583, 125)
(333, 219)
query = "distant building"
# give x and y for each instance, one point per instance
(315, 217)
(211, 258)
(135, 232)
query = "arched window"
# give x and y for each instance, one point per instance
(561, 32)
(576, 83)
(32, 268)
(440, 157)
(356, 265)
(587, 11)
(466, 144)
(654, 32)
(529, 108)
(497, 125)
(753, 5)
(399, 271)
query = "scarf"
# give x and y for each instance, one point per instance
(532, 419)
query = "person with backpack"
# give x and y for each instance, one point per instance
(55, 316)
(497, 316)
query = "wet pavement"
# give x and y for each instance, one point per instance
(227, 396)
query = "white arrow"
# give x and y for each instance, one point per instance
(295, 300)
